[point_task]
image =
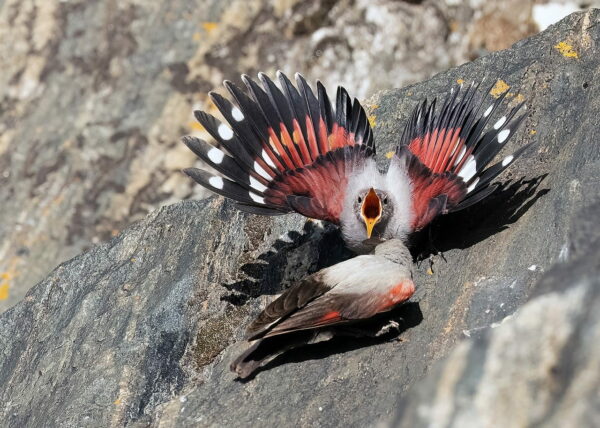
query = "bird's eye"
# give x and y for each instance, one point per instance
(385, 201)
(359, 199)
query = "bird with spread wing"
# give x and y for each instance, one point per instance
(286, 149)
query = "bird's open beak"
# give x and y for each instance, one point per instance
(371, 211)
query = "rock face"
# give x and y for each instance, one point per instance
(141, 329)
(539, 368)
(94, 96)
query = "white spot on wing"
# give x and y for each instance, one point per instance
(216, 182)
(267, 159)
(225, 132)
(469, 170)
(216, 155)
(500, 122)
(256, 198)
(508, 159)
(260, 171)
(472, 186)
(237, 114)
(503, 135)
(257, 185)
(488, 111)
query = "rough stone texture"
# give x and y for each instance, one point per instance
(140, 330)
(95, 95)
(541, 368)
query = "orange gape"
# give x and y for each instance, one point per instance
(371, 206)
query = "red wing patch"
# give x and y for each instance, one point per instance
(331, 316)
(447, 152)
(438, 150)
(285, 149)
(316, 191)
(432, 193)
(428, 187)
(398, 294)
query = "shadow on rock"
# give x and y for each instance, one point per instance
(466, 228)
(320, 247)
(346, 338)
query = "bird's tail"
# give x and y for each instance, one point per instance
(262, 351)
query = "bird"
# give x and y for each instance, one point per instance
(285, 149)
(330, 302)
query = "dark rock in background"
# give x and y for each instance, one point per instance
(142, 329)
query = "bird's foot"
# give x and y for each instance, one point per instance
(392, 325)
(441, 254)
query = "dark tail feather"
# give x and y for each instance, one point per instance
(265, 350)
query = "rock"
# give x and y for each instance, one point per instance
(141, 329)
(94, 96)
(540, 367)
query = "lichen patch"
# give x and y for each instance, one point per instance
(566, 50)
(499, 88)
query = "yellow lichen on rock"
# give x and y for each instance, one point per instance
(389, 155)
(10, 272)
(515, 99)
(372, 120)
(195, 126)
(499, 88)
(4, 290)
(519, 98)
(566, 50)
(209, 27)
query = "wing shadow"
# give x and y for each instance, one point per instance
(466, 228)
(273, 270)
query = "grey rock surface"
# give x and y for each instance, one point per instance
(540, 368)
(95, 95)
(140, 330)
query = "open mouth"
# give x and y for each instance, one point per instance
(371, 211)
